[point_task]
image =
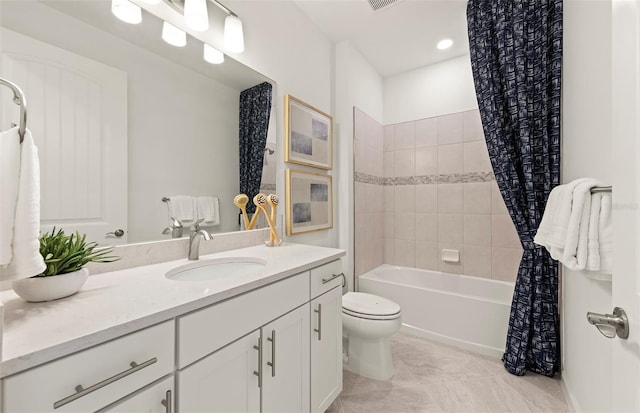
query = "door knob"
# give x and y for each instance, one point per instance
(117, 233)
(618, 320)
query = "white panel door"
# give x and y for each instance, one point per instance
(285, 365)
(77, 113)
(223, 382)
(326, 349)
(626, 201)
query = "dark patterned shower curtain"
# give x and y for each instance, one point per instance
(516, 54)
(255, 108)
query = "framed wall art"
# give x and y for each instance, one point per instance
(309, 202)
(308, 134)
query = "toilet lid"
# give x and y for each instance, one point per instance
(368, 305)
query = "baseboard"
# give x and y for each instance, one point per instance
(463, 344)
(568, 396)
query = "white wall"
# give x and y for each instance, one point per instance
(434, 90)
(182, 126)
(586, 152)
(356, 84)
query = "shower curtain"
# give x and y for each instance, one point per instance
(255, 108)
(516, 54)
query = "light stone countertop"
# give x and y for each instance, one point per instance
(116, 303)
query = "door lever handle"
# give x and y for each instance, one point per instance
(618, 320)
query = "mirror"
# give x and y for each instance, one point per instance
(179, 116)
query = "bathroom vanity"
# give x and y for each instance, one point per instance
(137, 341)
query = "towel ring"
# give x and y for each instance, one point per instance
(18, 99)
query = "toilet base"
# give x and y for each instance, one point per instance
(370, 357)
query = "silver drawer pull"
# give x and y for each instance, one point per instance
(333, 277)
(272, 363)
(259, 372)
(319, 329)
(167, 402)
(83, 392)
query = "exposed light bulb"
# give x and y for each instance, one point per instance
(126, 11)
(174, 36)
(233, 36)
(195, 15)
(444, 44)
(213, 55)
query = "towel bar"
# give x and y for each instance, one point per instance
(19, 99)
(598, 189)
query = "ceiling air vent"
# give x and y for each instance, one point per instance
(380, 4)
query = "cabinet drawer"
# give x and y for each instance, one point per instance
(149, 400)
(326, 277)
(206, 330)
(105, 372)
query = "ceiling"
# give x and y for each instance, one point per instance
(397, 38)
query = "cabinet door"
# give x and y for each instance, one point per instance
(223, 381)
(157, 398)
(285, 363)
(326, 349)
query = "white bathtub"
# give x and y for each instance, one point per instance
(468, 312)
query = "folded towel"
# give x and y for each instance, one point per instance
(574, 253)
(605, 240)
(183, 207)
(556, 218)
(593, 243)
(208, 209)
(19, 207)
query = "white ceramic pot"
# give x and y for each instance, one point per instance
(39, 289)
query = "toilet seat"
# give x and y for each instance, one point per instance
(369, 307)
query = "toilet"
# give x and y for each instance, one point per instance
(368, 321)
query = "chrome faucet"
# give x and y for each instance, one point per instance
(194, 241)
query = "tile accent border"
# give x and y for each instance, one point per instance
(425, 179)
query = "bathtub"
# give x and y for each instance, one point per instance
(468, 312)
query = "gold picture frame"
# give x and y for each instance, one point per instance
(308, 134)
(309, 202)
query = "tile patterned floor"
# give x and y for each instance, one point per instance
(433, 377)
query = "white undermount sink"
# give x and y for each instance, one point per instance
(217, 268)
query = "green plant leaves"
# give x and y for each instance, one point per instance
(68, 253)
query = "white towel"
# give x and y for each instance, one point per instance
(604, 242)
(593, 244)
(208, 209)
(19, 207)
(574, 253)
(552, 231)
(183, 207)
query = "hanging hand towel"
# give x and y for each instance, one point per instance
(593, 243)
(208, 209)
(19, 207)
(182, 207)
(605, 241)
(574, 253)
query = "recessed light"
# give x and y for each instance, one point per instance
(444, 44)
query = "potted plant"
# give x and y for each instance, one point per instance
(65, 257)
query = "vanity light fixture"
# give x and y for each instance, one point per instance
(444, 44)
(196, 15)
(196, 18)
(213, 55)
(233, 35)
(172, 35)
(126, 11)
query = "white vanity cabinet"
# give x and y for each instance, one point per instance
(273, 348)
(94, 378)
(326, 335)
(224, 381)
(285, 363)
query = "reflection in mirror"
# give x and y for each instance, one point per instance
(122, 119)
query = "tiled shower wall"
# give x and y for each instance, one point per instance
(426, 185)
